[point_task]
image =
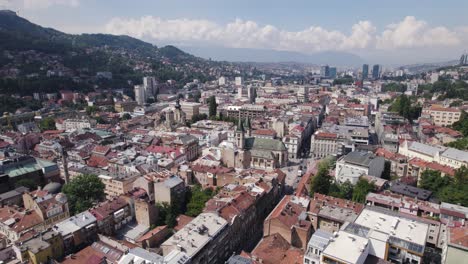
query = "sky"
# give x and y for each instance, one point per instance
(396, 31)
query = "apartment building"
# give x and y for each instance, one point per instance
(442, 116)
(356, 164)
(205, 240)
(442, 155)
(324, 144)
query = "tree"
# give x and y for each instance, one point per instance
(433, 181)
(362, 188)
(47, 123)
(321, 182)
(402, 105)
(196, 96)
(126, 116)
(83, 191)
(343, 191)
(196, 118)
(212, 106)
(28, 183)
(445, 188)
(197, 199)
(91, 110)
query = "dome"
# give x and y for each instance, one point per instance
(61, 198)
(53, 187)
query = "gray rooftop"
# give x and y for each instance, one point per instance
(360, 158)
(424, 148)
(320, 239)
(75, 223)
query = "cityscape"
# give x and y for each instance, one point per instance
(232, 136)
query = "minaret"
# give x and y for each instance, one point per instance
(65, 165)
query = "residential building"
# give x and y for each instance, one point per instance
(356, 164)
(140, 94)
(50, 207)
(317, 243)
(442, 116)
(289, 219)
(77, 231)
(112, 215)
(204, 240)
(442, 155)
(324, 144)
(78, 124)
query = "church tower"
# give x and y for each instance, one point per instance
(248, 127)
(240, 134)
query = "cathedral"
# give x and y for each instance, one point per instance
(260, 153)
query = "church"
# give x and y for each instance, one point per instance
(252, 152)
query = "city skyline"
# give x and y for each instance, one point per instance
(410, 33)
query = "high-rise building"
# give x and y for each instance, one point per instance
(464, 59)
(365, 71)
(325, 71)
(239, 81)
(252, 93)
(376, 71)
(332, 72)
(140, 94)
(150, 85)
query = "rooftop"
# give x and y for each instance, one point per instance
(400, 228)
(346, 247)
(196, 234)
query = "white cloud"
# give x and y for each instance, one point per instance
(35, 4)
(408, 33)
(242, 34)
(413, 33)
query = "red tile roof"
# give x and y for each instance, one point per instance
(275, 249)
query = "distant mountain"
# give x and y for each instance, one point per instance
(260, 55)
(34, 51)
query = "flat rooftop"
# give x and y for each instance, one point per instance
(393, 225)
(346, 247)
(196, 234)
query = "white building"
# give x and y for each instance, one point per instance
(203, 239)
(140, 94)
(317, 243)
(380, 233)
(446, 156)
(356, 164)
(239, 81)
(76, 124)
(222, 81)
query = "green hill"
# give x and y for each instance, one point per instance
(35, 57)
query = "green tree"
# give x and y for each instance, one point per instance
(361, 189)
(83, 191)
(47, 123)
(197, 199)
(196, 96)
(344, 190)
(91, 110)
(126, 116)
(196, 118)
(433, 181)
(28, 183)
(212, 106)
(321, 182)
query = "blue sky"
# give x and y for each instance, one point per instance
(386, 30)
